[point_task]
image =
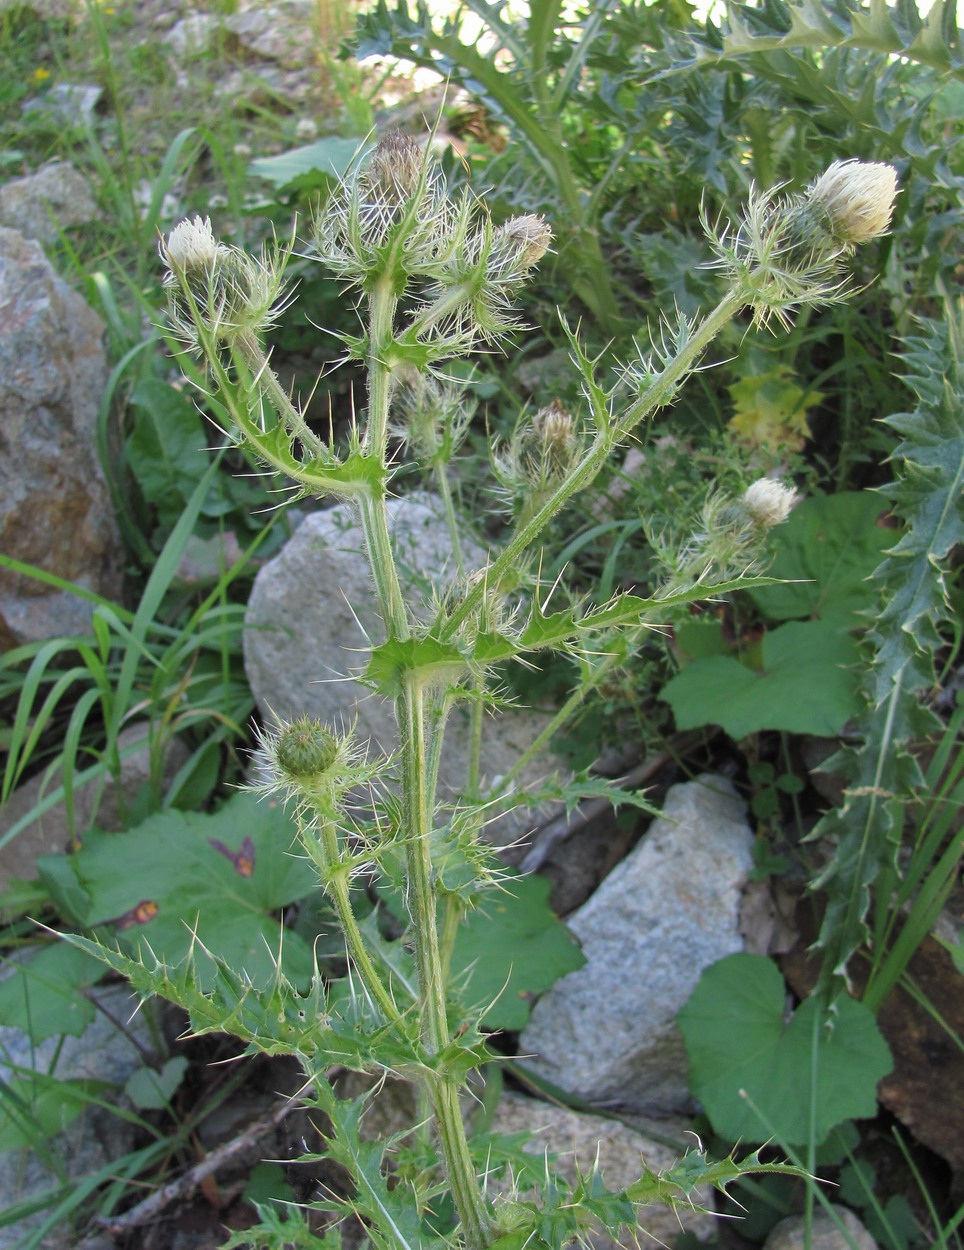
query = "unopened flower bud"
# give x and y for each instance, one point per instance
(769, 502)
(306, 749)
(308, 763)
(190, 246)
(855, 199)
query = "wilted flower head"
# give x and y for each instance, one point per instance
(395, 167)
(855, 199)
(518, 245)
(769, 502)
(541, 454)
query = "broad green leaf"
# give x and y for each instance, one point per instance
(149, 1090)
(166, 447)
(828, 550)
(761, 1074)
(511, 949)
(806, 685)
(306, 168)
(44, 994)
(226, 874)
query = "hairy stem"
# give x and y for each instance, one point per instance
(321, 842)
(660, 392)
(443, 1089)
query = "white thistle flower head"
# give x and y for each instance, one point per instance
(190, 246)
(769, 502)
(855, 199)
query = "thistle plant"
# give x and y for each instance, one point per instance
(435, 279)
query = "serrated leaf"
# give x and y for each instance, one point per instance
(806, 685)
(430, 663)
(761, 1074)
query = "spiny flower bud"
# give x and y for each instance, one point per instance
(306, 749)
(769, 502)
(855, 199)
(306, 761)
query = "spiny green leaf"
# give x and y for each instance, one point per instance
(881, 774)
(428, 663)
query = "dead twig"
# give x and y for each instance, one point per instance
(152, 1206)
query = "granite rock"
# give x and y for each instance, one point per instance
(607, 1033)
(55, 509)
(42, 204)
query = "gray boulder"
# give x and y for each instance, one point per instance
(104, 1053)
(840, 1231)
(311, 622)
(607, 1032)
(54, 506)
(42, 204)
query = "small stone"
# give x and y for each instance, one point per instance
(70, 104)
(280, 34)
(193, 35)
(607, 1033)
(826, 1233)
(40, 205)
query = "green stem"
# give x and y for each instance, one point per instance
(323, 849)
(443, 1089)
(659, 393)
(451, 520)
(265, 378)
(382, 303)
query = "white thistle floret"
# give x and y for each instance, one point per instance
(856, 198)
(769, 502)
(191, 245)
